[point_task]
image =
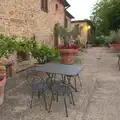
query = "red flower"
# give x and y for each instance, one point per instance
(69, 47)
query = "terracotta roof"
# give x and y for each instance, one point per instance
(69, 15)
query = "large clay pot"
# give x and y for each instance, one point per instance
(116, 47)
(2, 86)
(68, 55)
(8, 66)
(2, 69)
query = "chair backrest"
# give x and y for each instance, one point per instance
(33, 77)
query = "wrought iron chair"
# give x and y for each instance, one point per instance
(74, 79)
(38, 84)
(60, 88)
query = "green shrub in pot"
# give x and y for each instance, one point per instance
(101, 40)
(43, 53)
(114, 37)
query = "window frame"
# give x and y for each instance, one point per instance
(44, 5)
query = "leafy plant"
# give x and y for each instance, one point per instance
(11, 44)
(43, 53)
(76, 31)
(66, 35)
(114, 37)
(24, 44)
(99, 41)
(7, 45)
(106, 16)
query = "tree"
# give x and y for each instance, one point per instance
(106, 16)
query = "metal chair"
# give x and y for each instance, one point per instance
(60, 88)
(38, 84)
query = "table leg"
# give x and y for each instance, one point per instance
(69, 83)
(75, 85)
(119, 63)
(79, 80)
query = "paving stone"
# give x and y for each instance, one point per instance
(102, 104)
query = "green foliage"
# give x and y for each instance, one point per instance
(62, 32)
(76, 31)
(113, 37)
(7, 45)
(11, 44)
(66, 35)
(106, 16)
(99, 41)
(43, 53)
(24, 44)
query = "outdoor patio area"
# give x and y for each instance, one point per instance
(100, 87)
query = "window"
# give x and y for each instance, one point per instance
(44, 5)
(56, 6)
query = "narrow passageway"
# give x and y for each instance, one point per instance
(104, 102)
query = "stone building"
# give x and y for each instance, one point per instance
(28, 17)
(87, 30)
(68, 20)
(31, 17)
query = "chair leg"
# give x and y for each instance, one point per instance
(50, 103)
(38, 94)
(32, 98)
(79, 80)
(75, 85)
(69, 98)
(72, 98)
(65, 107)
(45, 100)
(57, 96)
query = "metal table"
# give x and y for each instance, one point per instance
(64, 87)
(67, 71)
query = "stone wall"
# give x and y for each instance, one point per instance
(25, 18)
(68, 23)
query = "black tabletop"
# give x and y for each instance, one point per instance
(70, 70)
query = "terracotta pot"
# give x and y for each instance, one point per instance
(68, 55)
(2, 84)
(6, 66)
(9, 69)
(116, 47)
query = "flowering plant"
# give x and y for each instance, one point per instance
(68, 47)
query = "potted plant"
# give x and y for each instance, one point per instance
(67, 50)
(43, 53)
(114, 39)
(2, 81)
(6, 48)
